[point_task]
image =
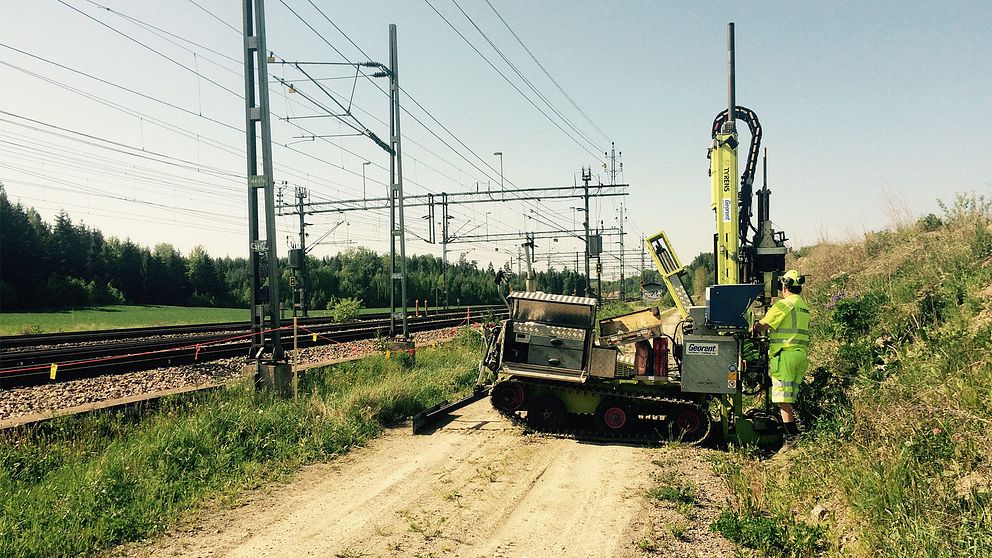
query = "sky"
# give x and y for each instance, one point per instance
(870, 112)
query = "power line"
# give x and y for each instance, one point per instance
(524, 78)
(508, 80)
(543, 69)
(158, 52)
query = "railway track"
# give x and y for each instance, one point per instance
(88, 354)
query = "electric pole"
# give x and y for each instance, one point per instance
(586, 177)
(302, 194)
(444, 245)
(622, 288)
(257, 115)
(397, 232)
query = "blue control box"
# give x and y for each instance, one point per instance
(727, 306)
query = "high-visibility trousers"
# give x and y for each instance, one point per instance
(787, 369)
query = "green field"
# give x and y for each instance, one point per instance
(114, 317)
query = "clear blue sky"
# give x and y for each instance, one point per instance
(863, 106)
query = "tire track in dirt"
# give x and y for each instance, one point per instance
(476, 487)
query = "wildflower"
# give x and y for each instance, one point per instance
(935, 431)
(957, 437)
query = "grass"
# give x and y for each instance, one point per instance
(121, 316)
(80, 486)
(898, 403)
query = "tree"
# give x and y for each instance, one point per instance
(203, 277)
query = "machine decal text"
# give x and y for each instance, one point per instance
(705, 349)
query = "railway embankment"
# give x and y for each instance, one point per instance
(895, 460)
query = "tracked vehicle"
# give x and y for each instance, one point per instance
(651, 375)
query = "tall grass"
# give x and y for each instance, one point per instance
(78, 486)
(899, 403)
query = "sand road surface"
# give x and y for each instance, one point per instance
(475, 487)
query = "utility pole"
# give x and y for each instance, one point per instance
(643, 269)
(599, 275)
(301, 196)
(586, 177)
(622, 288)
(612, 169)
(365, 164)
(257, 113)
(501, 189)
(444, 245)
(397, 232)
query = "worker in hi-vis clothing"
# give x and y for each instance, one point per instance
(787, 322)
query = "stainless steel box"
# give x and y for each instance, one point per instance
(709, 364)
(604, 362)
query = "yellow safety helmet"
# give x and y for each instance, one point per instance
(792, 278)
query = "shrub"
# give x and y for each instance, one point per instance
(346, 309)
(930, 222)
(855, 316)
(771, 535)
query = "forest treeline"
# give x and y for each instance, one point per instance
(64, 264)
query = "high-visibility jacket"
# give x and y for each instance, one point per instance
(789, 321)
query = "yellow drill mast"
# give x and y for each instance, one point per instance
(723, 169)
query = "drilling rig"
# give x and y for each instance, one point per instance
(644, 375)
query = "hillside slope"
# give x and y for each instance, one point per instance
(897, 458)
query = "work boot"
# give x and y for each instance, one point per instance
(790, 436)
(788, 442)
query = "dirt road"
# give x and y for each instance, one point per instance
(476, 487)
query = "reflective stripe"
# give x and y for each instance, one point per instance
(793, 334)
(789, 341)
(783, 330)
(779, 383)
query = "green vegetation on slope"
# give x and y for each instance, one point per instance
(898, 405)
(77, 486)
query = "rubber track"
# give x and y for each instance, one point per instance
(640, 436)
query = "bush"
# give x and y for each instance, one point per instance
(104, 294)
(773, 536)
(67, 292)
(930, 222)
(345, 309)
(855, 315)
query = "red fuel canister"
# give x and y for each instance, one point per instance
(642, 358)
(661, 356)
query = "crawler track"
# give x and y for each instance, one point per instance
(31, 367)
(655, 424)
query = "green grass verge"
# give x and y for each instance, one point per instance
(898, 401)
(122, 316)
(80, 486)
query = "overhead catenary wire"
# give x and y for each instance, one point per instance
(526, 81)
(406, 92)
(546, 73)
(370, 179)
(509, 81)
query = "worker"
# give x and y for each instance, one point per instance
(788, 324)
